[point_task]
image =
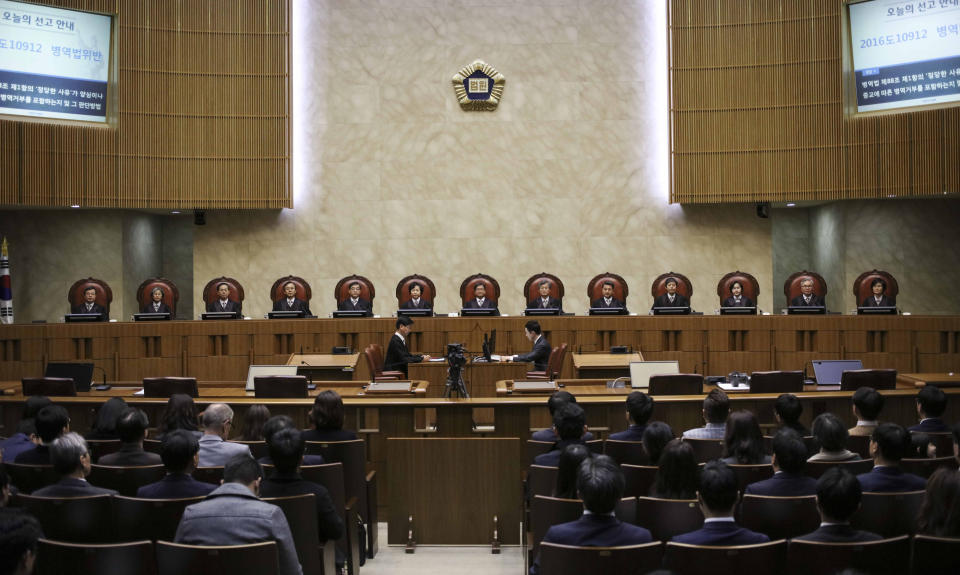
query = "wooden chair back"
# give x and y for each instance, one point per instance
(747, 474)
(936, 555)
(177, 558)
(889, 514)
(353, 455)
(859, 444)
(547, 511)
(29, 478)
(57, 557)
(668, 517)
(883, 557)
(760, 559)
(100, 447)
(705, 449)
(639, 479)
(779, 517)
(631, 452)
(542, 480)
(125, 480)
(925, 466)
(535, 448)
(817, 468)
(73, 519)
(153, 519)
(212, 475)
(301, 514)
(573, 560)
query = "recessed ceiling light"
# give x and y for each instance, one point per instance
(790, 204)
(75, 206)
(175, 212)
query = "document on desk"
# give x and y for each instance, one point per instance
(500, 357)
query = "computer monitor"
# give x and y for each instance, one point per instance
(664, 310)
(473, 311)
(738, 310)
(268, 370)
(806, 310)
(489, 344)
(830, 371)
(608, 311)
(286, 314)
(884, 310)
(80, 372)
(640, 371)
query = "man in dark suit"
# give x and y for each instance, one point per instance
(544, 301)
(156, 305)
(71, 459)
(718, 498)
(354, 302)
(90, 305)
(570, 424)
(415, 301)
(787, 411)
(931, 403)
(838, 498)
(180, 455)
(807, 298)
(291, 302)
(398, 355)
(554, 402)
(789, 457)
(639, 410)
(879, 297)
(671, 298)
(540, 354)
(606, 299)
(480, 300)
(600, 484)
(888, 444)
(51, 422)
(280, 422)
(223, 301)
(132, 428)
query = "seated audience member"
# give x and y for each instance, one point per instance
(787, 411)
(716, 408)
(290, 301)
(838, 498)
(26, 436)
(888, 444)
(233, 515)
(90, 305)
(940, 510)
(180, 454)
(398, 354)
(737, 299)
(678, 475)
(743, 441)
(600, 484)
(480, 300)
(832, 436)
(671, 298)
(19, 533)
(606, 298)
(639, 410)
(544, 301)
(718, 498)
(354, 302)
(132, 429)
(867, 404)
(655, 437)
(931, 403)
(921, 446)
(540, 354)
(553, 403)
(52, 421)
(223, 301)
(415, 301)
(257, 414)
(286, 451)
(180, 413)
(569, 423)
(215, 450)
(327, 419)
(71, 459)
(807, 298)
(789, 457)
(105, 424)
(570, 460)
(879, 297)
(278, 423)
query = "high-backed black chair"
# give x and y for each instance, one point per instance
(177, 558)
(280, 386)
(776, 382)
(49, 386)
(883, 557)
(936, 555)
(301, 514)
(167, 386)
(557, 559)
(57, 558)
(676, 384)
(541, 480)
(73, 519)
(779, 517)
(153, 519)
(889, 514)
(760, 559)
(852, 380)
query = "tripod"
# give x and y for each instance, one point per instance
(455, 382)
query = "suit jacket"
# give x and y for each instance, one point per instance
(328, 435)
(288, 484)
(398, 356)
(487, 304)
(552, 457)
(931, 425)
(130, 455)
(97, 308)
(721, 533)
(815, 301)
(215, 452)
(594, 531)
(175, 486)
(231, 306)
(540, 354)
(347, 305)
(840, 533)
(307, 460)
(232, 515)
(298, 305)
(599, 302)
(14, 445)
(888, 479)
(632, 433)
(744, 302)
(424, 304)
(871, 302)
(537, 303)
(39, 455)
(784, 484)
(679, 300)
(548, 435)
(72, 487)
(148, 308)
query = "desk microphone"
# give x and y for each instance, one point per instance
(104, 386)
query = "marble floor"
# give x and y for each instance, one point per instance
(443, 560)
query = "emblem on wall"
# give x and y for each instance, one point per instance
(478, 86)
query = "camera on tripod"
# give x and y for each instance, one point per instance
(456, 359)
(455, 356)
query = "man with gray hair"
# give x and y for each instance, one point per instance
(215, 451)
(71, 459)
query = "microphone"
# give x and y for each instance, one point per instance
(301, 349)
(103, 386)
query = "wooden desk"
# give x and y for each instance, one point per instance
(603, 365)
(950, 379)
(480, 378)
(325, 366)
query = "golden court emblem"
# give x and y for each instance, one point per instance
(479, 87)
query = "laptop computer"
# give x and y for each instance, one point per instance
(268, 370)
(640, 371)
(81, 372)
(829, 371)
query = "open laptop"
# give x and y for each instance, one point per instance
(640, 371)
(268, 370)
(829, 371)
